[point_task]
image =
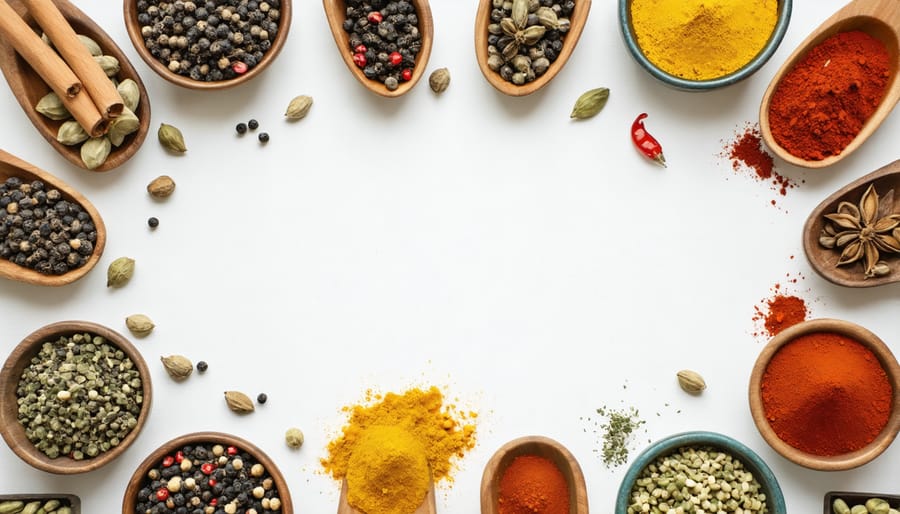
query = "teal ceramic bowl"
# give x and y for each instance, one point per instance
(668, 445)
(781, 25)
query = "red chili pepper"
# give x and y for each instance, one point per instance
(647, 144)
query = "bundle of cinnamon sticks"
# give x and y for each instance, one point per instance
(72, 74)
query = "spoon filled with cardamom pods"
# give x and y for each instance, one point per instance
(49, 200)
(852, 238)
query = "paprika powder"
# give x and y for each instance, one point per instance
(532, 484)
(823, 102)
(826, 394)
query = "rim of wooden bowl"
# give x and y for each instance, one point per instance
(13, 432)
(134, 33)
(835, 462)
(129, 501)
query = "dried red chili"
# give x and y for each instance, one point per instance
(647, 144)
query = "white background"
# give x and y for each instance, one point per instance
(535, 267)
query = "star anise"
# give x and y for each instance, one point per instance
(864, 232)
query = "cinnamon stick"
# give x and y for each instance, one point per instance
(77, 56)
(47, 63)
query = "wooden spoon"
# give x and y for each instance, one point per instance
(427, 507)
(878, 18)
(887, 184)
(542, 447)
(483, 19)
(336, 13)
(28, 87)
(12, 166)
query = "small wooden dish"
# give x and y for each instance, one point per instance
(12, 166)
(856, 498)
(129, 502)
(541, 447)
(483, 18)
(427, 507)
(28, 87)
(824, 260)
(13, 432)
(73, 501)
(818, 462)
(878, 18)
(335, 12)
(134, 33)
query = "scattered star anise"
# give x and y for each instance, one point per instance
(864, 232)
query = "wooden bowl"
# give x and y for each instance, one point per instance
(72, 501)
(878, 18)
(541, 447)
(824, 260)
(818, 462)
(483, 18)
(13, 432)
(129, 502)
(857, 498)
(335, 13)
(28, 87)
(12, 166)
(134, 33)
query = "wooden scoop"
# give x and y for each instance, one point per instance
(824, 260)
(427, 506)
(12, 166)
(878, 18)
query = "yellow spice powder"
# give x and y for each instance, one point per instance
(387, 472)
(702, 39)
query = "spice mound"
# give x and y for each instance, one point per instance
(384, 39)
(384, 466)
(826, 394)
(208, 478)
(821, 105)
(42, 231)
(79, 397)
(533, 484)
(701, 479)
(702, 39)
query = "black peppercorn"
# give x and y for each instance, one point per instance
(261, 398)
(263, 137)
(241, 128)
(253, 124)
(202, 366)
(153, 222)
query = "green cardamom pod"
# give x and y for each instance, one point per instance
(121, 126)
(590, 103)
(520, 13)
(130, 93)
(94, 151)
(119, 272)
(439, 80)
(533, 34)
(239, 402)
(139, 324)
(109, 64)
(510, 50)
(51, 505)
(521, 63)
(178, 367)
(508, 27)
(691, 381)
(877, 506)
(859, 509)
(51, 106)
(71, 133)
(299, 107)
(548, 18)
(91, 45)
(171, 139)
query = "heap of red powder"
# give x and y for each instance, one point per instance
(779, 312)
(747, 151)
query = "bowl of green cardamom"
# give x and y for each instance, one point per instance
(845, 502)
(695, 45)
(74, 395)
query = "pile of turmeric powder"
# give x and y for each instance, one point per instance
(388, 445)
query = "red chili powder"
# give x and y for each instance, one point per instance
(747, 151)
(780, 311)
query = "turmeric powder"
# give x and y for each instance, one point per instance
(387, 472)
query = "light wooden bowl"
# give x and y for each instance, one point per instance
(817, 462)
(13, 432)
(134, 33)
(335, 12)
(12, 166)
(824, 260)
(878, 18)
(541, 447)
(28, 87)
(129, 502)
(483, 18)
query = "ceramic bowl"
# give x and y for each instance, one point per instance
(129, 502)
(835, 462)
(781, 25)
(857, 498)
(134, 33)
(13, 432)
(666, 446)
(65, 500)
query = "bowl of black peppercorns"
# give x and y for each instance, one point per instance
(208, 44)
(74, 395)
(207, 472)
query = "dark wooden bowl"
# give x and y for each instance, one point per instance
(129, 502)
(858, 498)
(73, 501)
(28, 87)
(134, 33)
(13, 432)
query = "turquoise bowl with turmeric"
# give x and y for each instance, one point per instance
(783, 18)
